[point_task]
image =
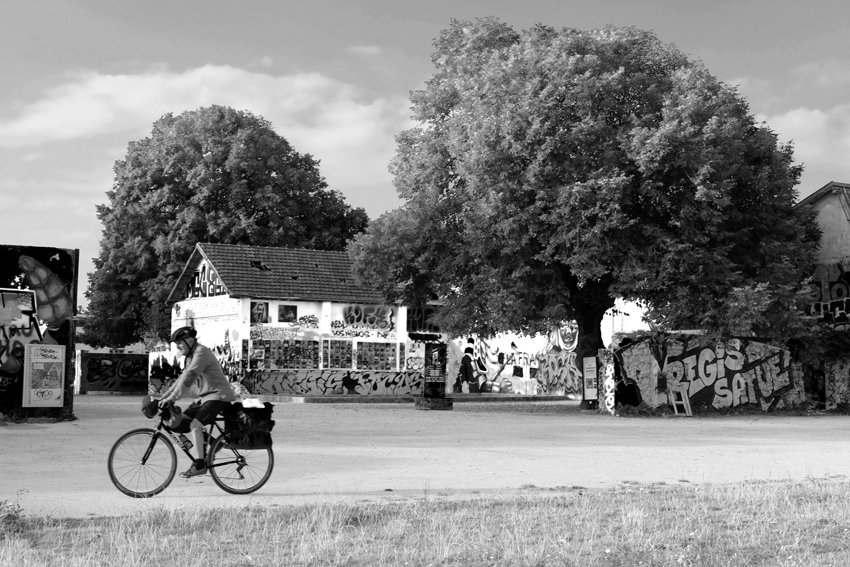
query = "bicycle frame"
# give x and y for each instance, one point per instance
(209, 430)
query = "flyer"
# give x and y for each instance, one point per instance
(44, 375)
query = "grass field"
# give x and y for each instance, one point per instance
(755, 523)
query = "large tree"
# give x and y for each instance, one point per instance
(210, 175)
(553, 170)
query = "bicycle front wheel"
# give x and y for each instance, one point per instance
(142, 463)
(239, 471)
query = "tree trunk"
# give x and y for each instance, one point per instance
(589, 333)
(590, 304)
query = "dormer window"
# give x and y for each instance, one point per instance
(260, 265)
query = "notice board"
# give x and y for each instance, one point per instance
(44, 376)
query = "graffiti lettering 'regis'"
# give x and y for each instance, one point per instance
(733, 373)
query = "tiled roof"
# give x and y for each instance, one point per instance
(264, 272)
(831, 187)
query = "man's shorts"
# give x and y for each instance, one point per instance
(206, 412)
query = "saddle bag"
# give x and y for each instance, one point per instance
(249, 428)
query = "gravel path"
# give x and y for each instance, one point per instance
(330, 452)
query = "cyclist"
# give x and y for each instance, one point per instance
(215, 391)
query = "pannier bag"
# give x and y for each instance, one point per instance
(249, 428)
(150, 407)
(175, 419)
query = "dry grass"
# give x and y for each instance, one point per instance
(782, 523)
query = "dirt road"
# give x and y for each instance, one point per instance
(329, 452)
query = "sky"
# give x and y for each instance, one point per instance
(83, 78)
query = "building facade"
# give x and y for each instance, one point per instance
(288, 321)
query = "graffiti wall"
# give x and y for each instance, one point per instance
(718, 375)
(837, 384)
(831, 294)
(112, 372)
(38, 287)
(514, 364)
(333, 382)
(317, 348)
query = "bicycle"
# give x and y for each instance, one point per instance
(143, 462)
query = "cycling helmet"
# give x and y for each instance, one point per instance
(183, 333)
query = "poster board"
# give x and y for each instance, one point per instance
(589, 376)
(44, 376)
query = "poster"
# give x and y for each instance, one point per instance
(44, 376)
(589, 377)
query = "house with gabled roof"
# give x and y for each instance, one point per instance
(830, 382)
(291, 321)
(831, 203)
(288, 321)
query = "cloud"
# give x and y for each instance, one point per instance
(821, 139)
(350, 132)
(808, 106)
(370, 50)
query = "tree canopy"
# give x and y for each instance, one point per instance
(209, 175)
(553, 170)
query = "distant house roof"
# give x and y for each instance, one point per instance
(263, 272)
(831, 187)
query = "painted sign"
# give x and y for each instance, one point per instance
(44, 376)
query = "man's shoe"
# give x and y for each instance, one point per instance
(198, 468)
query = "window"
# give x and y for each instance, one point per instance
(259, 312)
(287, 313)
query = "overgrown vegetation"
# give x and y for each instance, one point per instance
(11, 519)
(779, 523)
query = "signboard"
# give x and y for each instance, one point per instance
(435, 371)
(589, 377)
(44, 376)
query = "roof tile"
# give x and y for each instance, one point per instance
(264, 272)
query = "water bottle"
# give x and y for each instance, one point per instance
(184, 441)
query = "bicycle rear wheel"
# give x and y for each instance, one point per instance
(239, 471)
(142, 463)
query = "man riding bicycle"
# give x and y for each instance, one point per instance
(215, 395)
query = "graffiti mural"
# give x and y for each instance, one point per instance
(364, 321)
(719, 375)
(608, 390)
(514, 364)
(558, 372)
(18, 328)
(831, 295)
(837, 384)
(419, 319)
(205, 283)
(113, 372)
(333, 382)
